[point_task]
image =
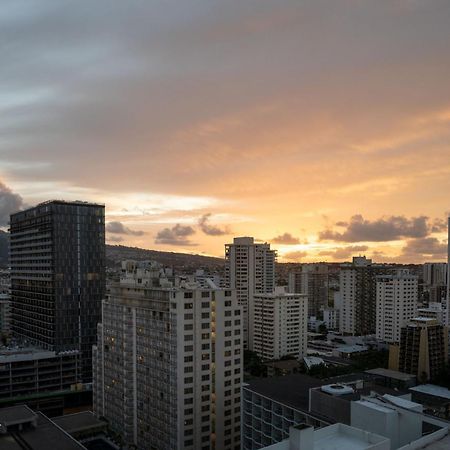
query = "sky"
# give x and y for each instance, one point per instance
(320, 126)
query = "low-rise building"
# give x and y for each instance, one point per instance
(400, 420)
(332, 437)
(23, 429)
(436, 399)
(282, 367)
(39, 378)
(433, 311)
(270, 406)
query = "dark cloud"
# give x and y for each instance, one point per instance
(344, 252)
(295, 256)
(120, 228)
(439, 226)
(84, 80)
(429, 247)
(114, 238)
(10, 202)
(211, 230)
(177, 235)
(286, 239)
(380, 230)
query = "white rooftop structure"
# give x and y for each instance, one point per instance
(311, 361)
(399, 419)
(333, 437)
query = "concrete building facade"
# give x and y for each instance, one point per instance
(312, 280)
(396, 304)
(279, 325)
(249, 269)
(168, 365)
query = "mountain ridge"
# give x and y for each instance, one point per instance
(117, 253)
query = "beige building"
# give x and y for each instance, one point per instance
(249, 269)
(279, 324)
(423, 349)
(168, 363)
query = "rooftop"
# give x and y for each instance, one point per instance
(442, 444)
(38, 431)
(432, 389)
(68, 202)
(352, 348)
(394, 374)
(312, 361)
(14, 354)
(283, 364)
(337, 436)
(82, 421)
(290, 390)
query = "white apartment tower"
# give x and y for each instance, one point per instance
(168, 363)
(280, 325)
(396, 297)
(249, 269)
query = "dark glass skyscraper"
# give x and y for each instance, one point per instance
(57, 257)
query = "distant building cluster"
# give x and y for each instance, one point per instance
(155, 357)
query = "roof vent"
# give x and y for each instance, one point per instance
(337, 389)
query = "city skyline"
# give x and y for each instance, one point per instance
(177, 122)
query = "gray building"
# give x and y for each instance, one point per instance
(57, 258)
(23, 429)
(30, 376)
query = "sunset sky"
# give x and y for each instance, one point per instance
(322, 127)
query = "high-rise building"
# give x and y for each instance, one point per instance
(423, 349)
(57, 258)
(435, 283)
(396, 297)
(358, 296)
(249, 269)
(168, 363)
(448, 275)
(5, 315)
(434, 274)
(312, 280)
(280, 325)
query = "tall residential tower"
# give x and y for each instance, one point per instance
(249, 269)
(396, 297)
